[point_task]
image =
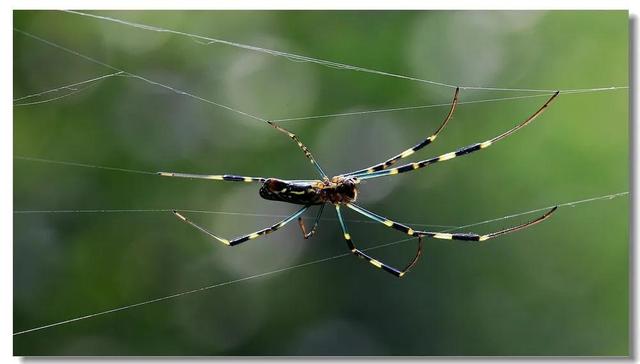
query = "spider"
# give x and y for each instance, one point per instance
(342, 190)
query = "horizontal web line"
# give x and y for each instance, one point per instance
(116, 211)
(70, 87)
(566, 204)
(133, 75)
(313, 262)
(365, 112)
(75, 164)
(353, 113)
(300, 58)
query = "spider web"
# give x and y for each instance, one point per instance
(63, 91)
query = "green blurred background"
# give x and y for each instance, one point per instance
(560, 288)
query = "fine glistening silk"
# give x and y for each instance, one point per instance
(342, 190)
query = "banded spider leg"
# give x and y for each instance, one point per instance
(419, 233)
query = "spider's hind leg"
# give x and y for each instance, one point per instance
(243, 238)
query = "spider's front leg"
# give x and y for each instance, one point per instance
(460, 152)
(304, 148)
(391, 161)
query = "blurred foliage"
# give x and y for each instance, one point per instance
(560, 288)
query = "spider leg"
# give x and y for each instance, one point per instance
(447, 236)
(306, 234)
(376, 263)
(462, 151)
(243, 238)
(215, 177)
(391, 161)
(306, 151)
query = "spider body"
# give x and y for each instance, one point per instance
(342, 191)
(338, 190)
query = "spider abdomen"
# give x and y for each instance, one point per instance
(296, 192)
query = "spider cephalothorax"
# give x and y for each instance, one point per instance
(342, 191)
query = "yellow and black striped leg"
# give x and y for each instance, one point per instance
(376, 263)
(306, 234)
(247, 237)
(214, 177)
(447, 236)
(477, 237)
(306, 151)
(460, 152)
(391, 161)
